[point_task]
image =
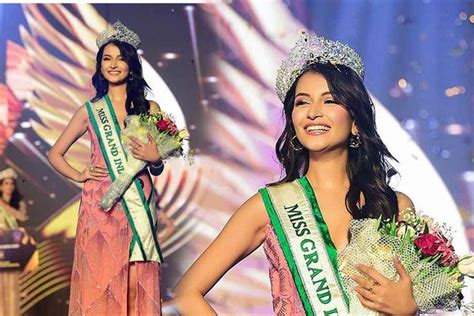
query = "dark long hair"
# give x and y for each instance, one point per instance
(136, 84)
(16, 195)
(368, 168)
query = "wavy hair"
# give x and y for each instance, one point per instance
(368, 167)
(136, 84)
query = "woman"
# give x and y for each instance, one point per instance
(116, 267)
(12, 205)
(330, 150)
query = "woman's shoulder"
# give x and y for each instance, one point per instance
(82, 112)
(405, 204)
(154, 107)
(254, 210)
(255, 202)
(403, 200)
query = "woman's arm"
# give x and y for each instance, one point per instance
(22, 206)
(76, 127)
(243, 233)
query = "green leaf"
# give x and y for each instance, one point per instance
(426, 230)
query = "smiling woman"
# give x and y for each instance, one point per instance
(315, 113)
(116, 268)
(12, 206)
(113, 66)
(336, 169)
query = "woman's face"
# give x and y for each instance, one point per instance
(320, 123)
(112, 66)
(7, 186)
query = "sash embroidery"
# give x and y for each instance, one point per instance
(310, 254)
(140, 214)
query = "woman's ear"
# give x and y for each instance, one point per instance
(354, 129)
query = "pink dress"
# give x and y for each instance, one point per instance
(99, 281)
(286, 300)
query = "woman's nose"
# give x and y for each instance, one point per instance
(314, 111)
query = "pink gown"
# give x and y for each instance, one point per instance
(286, 300)
(99, 281)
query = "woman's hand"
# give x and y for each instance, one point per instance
(146, 152)
(383, 295)
(92, 172)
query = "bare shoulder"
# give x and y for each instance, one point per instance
(154, 107)
(254, 209)
(405, 204)
(82, 110)
(81, 114)
(403, 200)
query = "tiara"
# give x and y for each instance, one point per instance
(8, 173)
(310, 49)
(118, 32)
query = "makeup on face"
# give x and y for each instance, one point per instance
(318, 119)
(113, 67)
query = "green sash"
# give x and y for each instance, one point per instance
(7, 221)
(141, 215)
(307, 246)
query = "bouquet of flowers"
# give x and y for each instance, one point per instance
(424, 249)
(169, 140)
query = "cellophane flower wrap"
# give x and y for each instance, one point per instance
(169, 140)
(424, 249)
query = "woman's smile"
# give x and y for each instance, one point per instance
(320, 123)
(316, 129)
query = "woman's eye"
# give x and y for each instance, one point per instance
(300, 102)
(330, 102)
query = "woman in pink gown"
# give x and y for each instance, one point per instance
(105, 281)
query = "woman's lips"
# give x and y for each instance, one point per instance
(317, 129)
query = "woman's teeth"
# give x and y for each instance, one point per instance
(317, 128)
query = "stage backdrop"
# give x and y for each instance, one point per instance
(213, 67)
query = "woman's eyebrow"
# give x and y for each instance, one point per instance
(303, 94)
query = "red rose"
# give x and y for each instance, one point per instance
(434, 244)
(162, 125)
(428, 244)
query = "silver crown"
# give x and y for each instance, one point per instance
(118, 32)
(308, 50)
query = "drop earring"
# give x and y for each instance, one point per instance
(293, 146)
(354, 141)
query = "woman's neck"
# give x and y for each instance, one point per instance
(118, 92)
(7, 197)
(328, 170)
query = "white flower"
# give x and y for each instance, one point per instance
(466, 266)
(428, 220)
(405, 229)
